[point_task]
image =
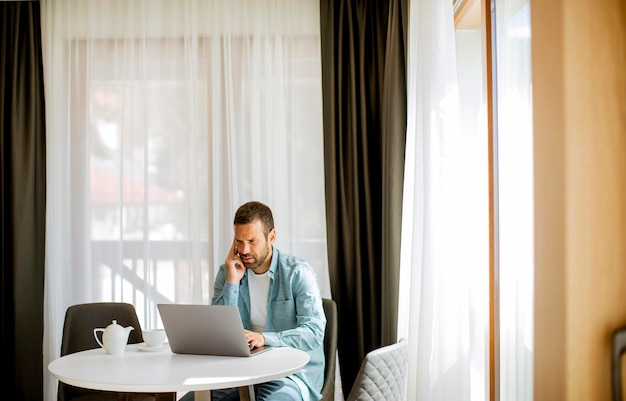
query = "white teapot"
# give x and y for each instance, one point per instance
(114, 338)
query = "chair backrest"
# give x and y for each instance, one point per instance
(619, 347)
(383, 374)
(80, 320)
(330, 349)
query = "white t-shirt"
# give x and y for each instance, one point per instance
(259, 287)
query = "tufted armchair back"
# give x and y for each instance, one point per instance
(383, 374)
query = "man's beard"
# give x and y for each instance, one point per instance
(258, 261)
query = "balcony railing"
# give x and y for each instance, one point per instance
(146, 273)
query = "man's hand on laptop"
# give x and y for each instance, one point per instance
(254, 339)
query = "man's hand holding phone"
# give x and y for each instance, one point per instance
(234, 266)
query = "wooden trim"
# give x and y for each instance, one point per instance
(494, 321)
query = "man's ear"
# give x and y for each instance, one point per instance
(271, 236)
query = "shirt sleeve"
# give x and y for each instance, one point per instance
(224, 293)
(306, 310)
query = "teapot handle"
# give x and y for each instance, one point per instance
(95, 334)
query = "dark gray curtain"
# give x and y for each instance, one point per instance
(364, 95)
(22, 181)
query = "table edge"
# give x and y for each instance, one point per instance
(166, 388)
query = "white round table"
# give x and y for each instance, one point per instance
(163, 371)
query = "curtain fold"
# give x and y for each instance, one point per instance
(22, 184)
(444, 294)
(515, 194)
(394, 117)
(364, 95)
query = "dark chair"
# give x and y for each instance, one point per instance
(80, 320)
(330, 349)
(619, 347)
(383, 374)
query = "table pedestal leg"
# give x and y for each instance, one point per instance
(246, 393)
(203, 395)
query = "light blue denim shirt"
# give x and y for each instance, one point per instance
(295, 316)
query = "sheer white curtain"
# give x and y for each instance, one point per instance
(444, 298)
(515, 193)
(162, 118)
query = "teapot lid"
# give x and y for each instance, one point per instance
(114, 325)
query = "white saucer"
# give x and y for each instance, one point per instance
(145, 348)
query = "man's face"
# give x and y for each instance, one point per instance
(252, 245)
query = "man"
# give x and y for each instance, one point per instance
(279, 302)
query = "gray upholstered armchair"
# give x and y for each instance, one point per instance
(383, 374)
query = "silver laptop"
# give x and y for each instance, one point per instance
(205, 330)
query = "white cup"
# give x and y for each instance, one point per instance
(153, 337)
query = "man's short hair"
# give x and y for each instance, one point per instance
(251, 211)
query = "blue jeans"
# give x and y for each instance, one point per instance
(283, 389)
